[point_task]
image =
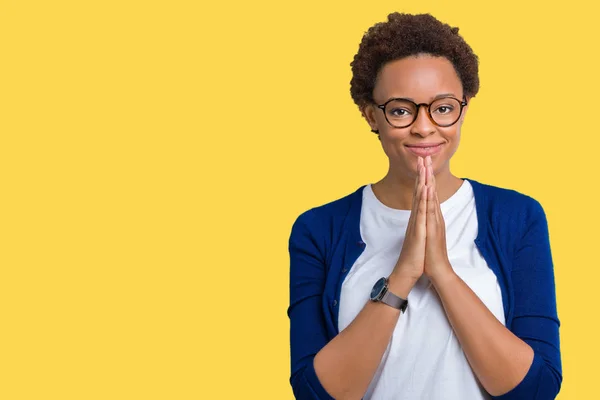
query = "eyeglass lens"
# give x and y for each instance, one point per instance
(401, 113)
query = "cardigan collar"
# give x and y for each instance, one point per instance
(479, 193)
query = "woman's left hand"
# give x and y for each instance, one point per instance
(437, 265)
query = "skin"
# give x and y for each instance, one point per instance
(499, 359)
(420, 78)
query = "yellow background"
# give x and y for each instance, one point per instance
(154, 155)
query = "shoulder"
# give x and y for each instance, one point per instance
(332, 212)
(505, 202)
(510, 214)
(319, 228)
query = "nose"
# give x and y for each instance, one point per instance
(422, 125)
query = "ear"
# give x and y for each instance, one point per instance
(465, 109)
(368, 112)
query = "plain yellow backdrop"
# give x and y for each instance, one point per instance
(154, 155)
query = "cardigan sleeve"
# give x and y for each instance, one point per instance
(308, 333)
(535, 318)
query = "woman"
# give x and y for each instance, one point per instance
(422, 285)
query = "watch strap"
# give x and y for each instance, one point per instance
(392, 300)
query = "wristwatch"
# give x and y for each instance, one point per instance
(381, 293)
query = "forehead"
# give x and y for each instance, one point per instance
(421, 78)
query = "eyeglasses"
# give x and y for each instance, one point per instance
(444, 112)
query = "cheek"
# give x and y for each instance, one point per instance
(392, 142)
(452, 136)
(453, 140)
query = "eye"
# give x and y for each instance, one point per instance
(444, 109)
(399, 112)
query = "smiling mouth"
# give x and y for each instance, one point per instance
(425, 151)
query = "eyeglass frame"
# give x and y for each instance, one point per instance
(462, 103)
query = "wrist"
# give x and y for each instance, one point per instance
(447, 277)
(401, 285)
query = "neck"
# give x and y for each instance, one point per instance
(396, 188)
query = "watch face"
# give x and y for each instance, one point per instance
(377, 288)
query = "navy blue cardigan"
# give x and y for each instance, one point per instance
(513, 238)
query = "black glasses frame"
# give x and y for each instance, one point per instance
(462, 103)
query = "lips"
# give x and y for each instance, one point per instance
(424, 144)
(419, 150)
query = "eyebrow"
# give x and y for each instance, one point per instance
(435, 98)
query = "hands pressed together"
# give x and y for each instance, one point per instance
(424, 249)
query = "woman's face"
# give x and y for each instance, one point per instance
(420, 78)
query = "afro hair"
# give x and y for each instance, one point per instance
(405, 35)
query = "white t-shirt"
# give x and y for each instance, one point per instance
(424, 359)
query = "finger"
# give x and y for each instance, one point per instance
(437, 207)
(440, 215)
(419, 182)
(431, 184)
(438, 210)
(419, 162)
(429, 175)
(431, 218)
(414, 201)
(421, 228)
(427, 180)
(430, 163)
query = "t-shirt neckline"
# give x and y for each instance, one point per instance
(461, 194)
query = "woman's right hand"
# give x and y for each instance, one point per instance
(409, 266)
